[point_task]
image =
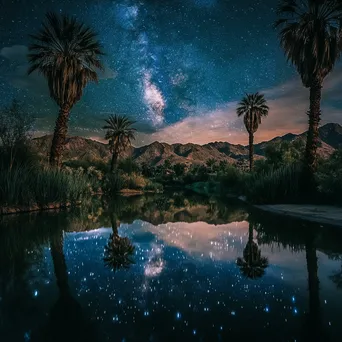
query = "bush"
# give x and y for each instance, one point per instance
(134, 181)
(112, 184)
(233, 180)
(329, 177)
(128, 165)
(277, 186)
(25, 186)
(155, 187)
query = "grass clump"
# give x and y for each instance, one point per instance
(275, 186)
(25, 186)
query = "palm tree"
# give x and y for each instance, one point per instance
(252, 265)
(67, 53)
(119, 251)
(311, 35)
(253, 107)
(120, 135)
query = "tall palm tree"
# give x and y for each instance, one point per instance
(311, 35)
(314, 328)
(119, 250)
(252, 265)
(67, 53)
(253, 107)
(120, 135)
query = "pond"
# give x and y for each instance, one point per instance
(168, 267)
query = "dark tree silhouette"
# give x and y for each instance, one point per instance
(311, 36)
(119, 251)
(120, 135)
(67, 53)
(252, 107)
(252, 265)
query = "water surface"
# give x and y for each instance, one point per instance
(168, 267)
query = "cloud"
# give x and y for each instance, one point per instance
(288, 104)
(153, 99)
(15, 53)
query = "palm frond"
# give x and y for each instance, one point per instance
(67, 53)
(310, 33)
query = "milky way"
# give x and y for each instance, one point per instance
(166, 61)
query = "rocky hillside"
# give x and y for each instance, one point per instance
(78, 148)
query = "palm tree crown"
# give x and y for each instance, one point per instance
(119, 132)
(310, 34)
(67, 53)
(253, 107)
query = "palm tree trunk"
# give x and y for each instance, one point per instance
(315, 322)
(59, 263)
(114, 224)
(250, 233)
(312, 136)
(59, 136)
(251, 151)
(114, 162)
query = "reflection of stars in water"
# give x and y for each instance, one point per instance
(189, 292)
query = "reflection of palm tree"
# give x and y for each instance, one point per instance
(314, 320)
(119, 251)
(252, 265)
(66, 321)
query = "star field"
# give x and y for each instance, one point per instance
(166, 63)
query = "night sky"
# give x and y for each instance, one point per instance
(177, 67)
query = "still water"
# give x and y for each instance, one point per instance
(168, 267)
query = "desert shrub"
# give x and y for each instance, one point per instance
(329, 177)
(276, 186)
(134, 181)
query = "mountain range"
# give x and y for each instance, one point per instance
(78, 148)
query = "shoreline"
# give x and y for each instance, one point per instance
(322, 214)
(36, 207)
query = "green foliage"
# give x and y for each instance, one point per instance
(25, 186)
(85, 164)
(179, 169)
(277, 186)
(329, 177)
(112, 184)
(128, 165)
(233, 180)
(154, 187)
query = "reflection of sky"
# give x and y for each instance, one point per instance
(185, 283)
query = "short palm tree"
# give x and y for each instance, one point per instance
(252, 265)
(67, 53)
(252, 107)
(120, 134)
(311, 36)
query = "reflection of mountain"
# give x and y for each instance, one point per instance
(175, 207)
(220, 242)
